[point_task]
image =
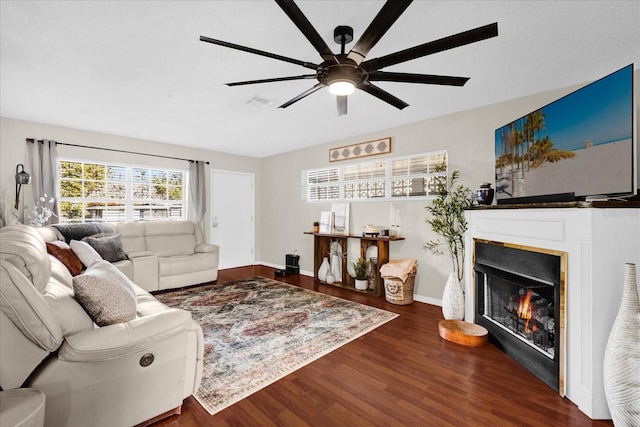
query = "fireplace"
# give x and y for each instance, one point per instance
(519, 299)
(597, 242)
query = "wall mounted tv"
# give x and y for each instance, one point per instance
(579, 145)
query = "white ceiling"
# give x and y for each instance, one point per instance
(138, 69)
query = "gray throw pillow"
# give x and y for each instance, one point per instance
(105, 302)
(109, 248)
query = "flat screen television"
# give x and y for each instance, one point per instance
(577, 146)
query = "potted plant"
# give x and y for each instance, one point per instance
(360, 271)
(446, 218)
(316, 226)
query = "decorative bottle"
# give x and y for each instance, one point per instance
(323, 270)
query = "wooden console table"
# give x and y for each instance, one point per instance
(322, 242)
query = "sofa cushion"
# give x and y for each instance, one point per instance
(49, 233)
(132, 235)
(66, 309)
(85, 252)
(63, 252)
(24, 247)
(170, 238)
(80, 231)
(22, 303)
(182, 264)
(109, 248)
(60, 273)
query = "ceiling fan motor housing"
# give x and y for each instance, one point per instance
(347, 70)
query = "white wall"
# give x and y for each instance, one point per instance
(13, 149)
(469, 138)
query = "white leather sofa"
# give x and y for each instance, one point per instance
(162, 254)
(117, 375)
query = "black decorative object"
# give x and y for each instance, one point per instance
(484, 194)
(346, 71)
(22, 178)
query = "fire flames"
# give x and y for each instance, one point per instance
(525, 311)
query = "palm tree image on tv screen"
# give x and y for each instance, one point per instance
(581, 144)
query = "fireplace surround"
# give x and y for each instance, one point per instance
(597, 242)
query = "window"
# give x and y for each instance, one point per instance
(407, 177)
(93, 192)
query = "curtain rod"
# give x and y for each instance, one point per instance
(118, 151)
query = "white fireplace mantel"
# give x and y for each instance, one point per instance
(598, 241)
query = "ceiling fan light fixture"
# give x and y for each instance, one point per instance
(342, 87)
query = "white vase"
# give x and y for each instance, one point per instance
(453, 299)
(336, 268)
(324, 268)
(621, 368)
(362, 285)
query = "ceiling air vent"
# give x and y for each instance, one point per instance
(259, 102)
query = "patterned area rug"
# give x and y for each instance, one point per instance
(259, 330)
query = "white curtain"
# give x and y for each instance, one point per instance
(43, 158)
(197, 187)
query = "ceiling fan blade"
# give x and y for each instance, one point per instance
(456, 40)
(302, 95)
(342, 104)
(259, 52)
(389, 13)
(383, 95)
(277, 79)
(295, 14)
(430, 79)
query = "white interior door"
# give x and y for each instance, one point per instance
(232, 217)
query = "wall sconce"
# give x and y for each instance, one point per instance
(21, 178)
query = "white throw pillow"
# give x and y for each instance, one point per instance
(85, 252)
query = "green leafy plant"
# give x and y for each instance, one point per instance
(446, 218)
(360, 268)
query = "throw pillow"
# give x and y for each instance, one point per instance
(85, 252)
(109, 248)
(107, 271)
(107, 303)
(80, 230)
(65, 254)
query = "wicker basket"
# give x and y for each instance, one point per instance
(397, 292)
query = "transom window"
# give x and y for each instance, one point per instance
(95, 192)
(401, 177)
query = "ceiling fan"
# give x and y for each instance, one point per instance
(344, 72)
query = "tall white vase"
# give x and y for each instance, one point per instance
(621, 368)
(453, 299)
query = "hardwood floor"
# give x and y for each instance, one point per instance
(400, 374)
